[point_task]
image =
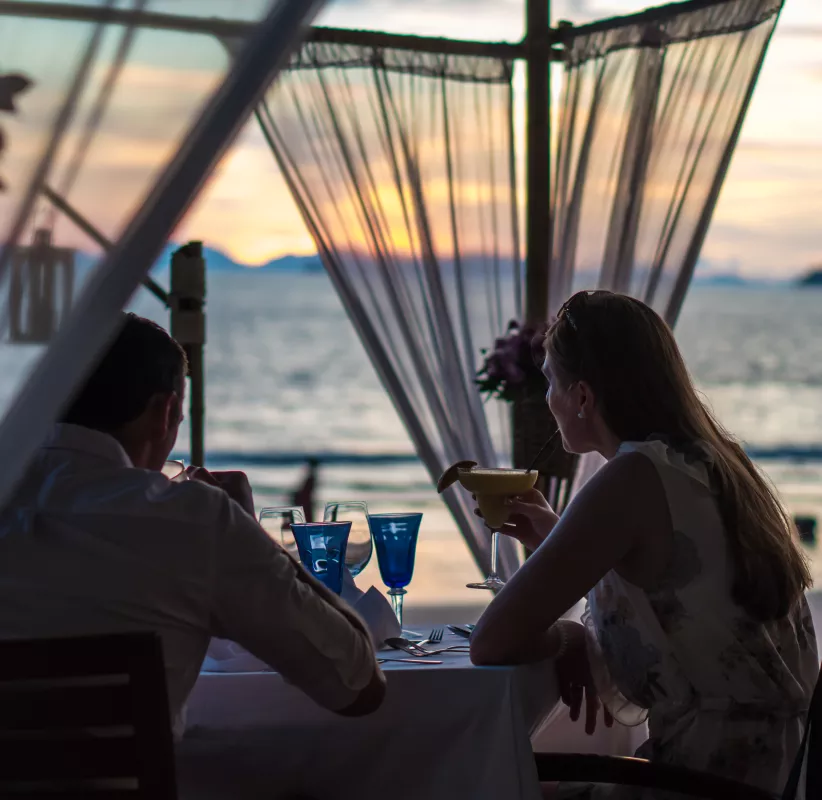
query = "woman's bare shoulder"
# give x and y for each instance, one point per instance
(629, 491)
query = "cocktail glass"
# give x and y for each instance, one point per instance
(492, 487)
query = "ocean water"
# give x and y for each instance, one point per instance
(287, 378)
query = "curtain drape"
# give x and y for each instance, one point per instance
(651, 111)
(403, 166)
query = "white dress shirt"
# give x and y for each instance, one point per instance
(89, 544)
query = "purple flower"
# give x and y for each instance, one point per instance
(514, 363)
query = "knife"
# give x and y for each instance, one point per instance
(461, 630)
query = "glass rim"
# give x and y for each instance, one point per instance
(335, 523)
(397, 514)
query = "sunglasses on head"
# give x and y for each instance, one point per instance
(567, 311)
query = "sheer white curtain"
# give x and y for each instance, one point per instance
(127, 119)
(403, 166)
(651, 111)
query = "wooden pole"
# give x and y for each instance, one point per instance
(538, 40)
(196, 389)
(187, 303)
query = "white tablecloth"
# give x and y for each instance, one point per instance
(450, 731)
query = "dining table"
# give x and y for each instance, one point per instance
(444, 731)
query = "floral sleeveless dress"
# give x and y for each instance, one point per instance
(721, 692)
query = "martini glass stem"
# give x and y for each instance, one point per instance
(493, 581)
(494, 549)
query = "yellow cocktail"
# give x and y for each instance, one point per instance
(492, 487)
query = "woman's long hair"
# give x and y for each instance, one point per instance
(629, 357)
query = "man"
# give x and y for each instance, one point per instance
(97, 540)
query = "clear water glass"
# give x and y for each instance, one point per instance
(175, 470)
(395, 538)
(277, 522)
(321, 546)
(360, 543)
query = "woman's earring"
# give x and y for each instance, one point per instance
(581, 415)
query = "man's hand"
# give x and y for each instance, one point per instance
(369, 699)
(234, 483)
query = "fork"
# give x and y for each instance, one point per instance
(433, 638)
(420, 652)
(398, 643)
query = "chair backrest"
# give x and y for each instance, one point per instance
(557, 490)
(85, 717)
(808, 764)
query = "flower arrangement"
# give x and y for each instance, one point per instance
(513, 368)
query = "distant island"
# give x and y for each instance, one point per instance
(707, 275)
(812, 278)
(216, 261)
(720, 279)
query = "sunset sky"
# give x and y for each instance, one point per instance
(768, 222)
(769, 218)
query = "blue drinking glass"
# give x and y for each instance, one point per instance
(321, 546)
(395, 537)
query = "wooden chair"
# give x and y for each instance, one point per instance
(85, 718)
(687, 782)
(557, 485)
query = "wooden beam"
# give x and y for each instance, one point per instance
(225, 28)
(122, 16)
(61, 204)
(649, 16)
(538, 42)
(420, 44)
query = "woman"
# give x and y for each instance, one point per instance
(696, 616)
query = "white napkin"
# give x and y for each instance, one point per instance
(372, 606)
(375, 610)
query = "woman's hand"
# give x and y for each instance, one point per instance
(531, 518)
(576, 683)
